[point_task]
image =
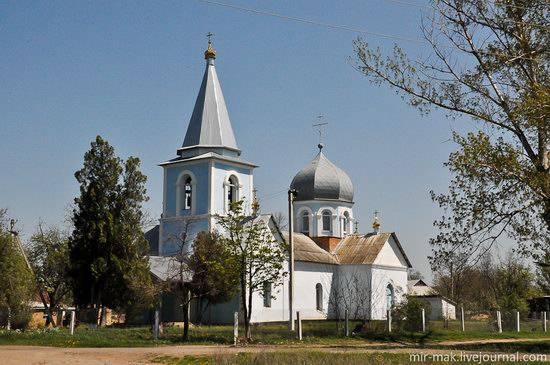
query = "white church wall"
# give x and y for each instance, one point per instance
(351, 290)
(381, 278)
(306, 276)
(390, 255)
(220, 175)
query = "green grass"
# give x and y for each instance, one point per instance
(305, 357)
(314, 333)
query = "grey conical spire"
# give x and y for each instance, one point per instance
(209, 129)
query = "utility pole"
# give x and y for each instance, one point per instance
(291, 195)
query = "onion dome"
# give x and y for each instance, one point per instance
(322, 180)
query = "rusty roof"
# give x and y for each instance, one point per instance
(363, 250)
(305, 249)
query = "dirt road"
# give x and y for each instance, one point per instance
(35, 355)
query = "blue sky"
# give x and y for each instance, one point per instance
(130, 71)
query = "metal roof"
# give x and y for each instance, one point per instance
(322, 180)
(305, 249)
(362, 250)
(210, 126)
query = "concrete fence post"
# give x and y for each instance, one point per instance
(73, 318)
(156, 328)
(235, 328)
(499, 322)
(543, 321)
(346, 323)
(423, 320)
(389, 320)
(299, 319)
(517, 321)
(462, 319)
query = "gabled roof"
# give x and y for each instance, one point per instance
(364, 249)
(210, 126)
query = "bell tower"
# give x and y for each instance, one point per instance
(208, 172)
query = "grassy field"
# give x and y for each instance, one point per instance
(314, 332)
(304, 357)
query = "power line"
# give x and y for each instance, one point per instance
(313, 22)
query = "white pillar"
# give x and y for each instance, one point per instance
(462, 318)
(499, 322)
(346, 324)
(235, 328)
(544, 321)
(517, 321)
(388, 318)
(299, 319)
(156, 328)
(73, 315)
(423, 320)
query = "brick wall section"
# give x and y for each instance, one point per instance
(327, 243)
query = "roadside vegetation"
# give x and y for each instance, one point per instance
(322, 333)
(303, 357)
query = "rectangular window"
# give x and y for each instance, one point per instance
(326, 222)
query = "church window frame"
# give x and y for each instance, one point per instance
(326, 221)
(305, 222)
(231, 190)
(319, 296)
(186, 194)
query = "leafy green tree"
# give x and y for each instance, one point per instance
(215, 279)
(48, 254)
(407, 315)
(108, 251)
(490, 63)
(203, 272)
(16, 285)
(259, 257)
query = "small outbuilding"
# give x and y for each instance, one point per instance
(440, 306)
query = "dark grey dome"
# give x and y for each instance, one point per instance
(322, 180)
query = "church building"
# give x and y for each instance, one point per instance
(336, 269)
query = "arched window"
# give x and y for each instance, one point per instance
(346, 223)
(185, 194)
(327, 221)
(305, 222)
(390, 300)
(232, 186)
(188, 191)
(319, 296)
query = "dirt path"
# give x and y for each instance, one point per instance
(35, 355)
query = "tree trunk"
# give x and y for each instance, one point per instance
(185, 307)
(249, 329)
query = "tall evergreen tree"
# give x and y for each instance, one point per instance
(107, 248)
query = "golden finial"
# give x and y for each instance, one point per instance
(255, 203)
(210, 52)
(376, 223)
